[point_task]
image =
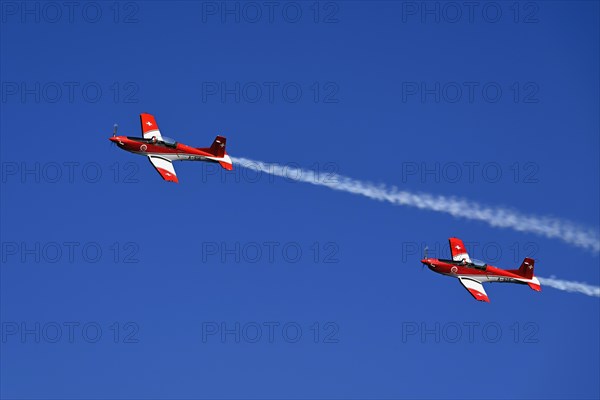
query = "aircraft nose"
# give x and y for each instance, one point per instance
(118, 140)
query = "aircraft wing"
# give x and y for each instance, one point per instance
(475, 288)
(149, 127)
(164, 168)
(458, 250)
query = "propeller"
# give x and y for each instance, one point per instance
(425, 251)
(115, 127)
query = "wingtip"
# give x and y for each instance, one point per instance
(479, 296)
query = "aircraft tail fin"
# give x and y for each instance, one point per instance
(526, 271)
(218, 153)
(526, 268)
(218, 147)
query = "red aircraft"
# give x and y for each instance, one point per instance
(162, 151)
(473, 273)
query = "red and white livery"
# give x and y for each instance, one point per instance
(162, 151)
(473, 273)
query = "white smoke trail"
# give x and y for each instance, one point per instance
(566, 231)
(568, 286)
(550, 227)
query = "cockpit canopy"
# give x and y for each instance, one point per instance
(169, 142)
(478, 263)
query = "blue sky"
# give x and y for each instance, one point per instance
(367, 89)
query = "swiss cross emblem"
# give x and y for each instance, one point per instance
(149, 123)
(457, 247)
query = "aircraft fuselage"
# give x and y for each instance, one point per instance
(488, 273)
(174, 152)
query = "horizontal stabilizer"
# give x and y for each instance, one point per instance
(535, 286)
(226, 165)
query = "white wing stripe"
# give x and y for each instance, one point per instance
(461, 256)
(155, 132)
(473, 285)
(163, 166)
